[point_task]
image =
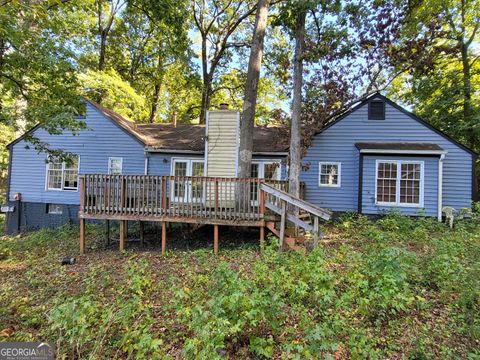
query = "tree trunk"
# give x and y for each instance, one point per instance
(153, 112)
(467, 93)
(206, 94)
(206, 82)
(103, 45)
(247, 120)
(295, 132)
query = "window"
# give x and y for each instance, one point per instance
(329, 174)
(265, 170)
(399, 183)
(62, 175)
(115, 165)
(376, 110)
(54, 209)
(185, 189)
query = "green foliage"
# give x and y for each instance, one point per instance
(397, 287)
(88, 325)
(116, 94)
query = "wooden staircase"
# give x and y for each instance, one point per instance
(296, 222)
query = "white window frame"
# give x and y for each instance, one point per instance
(63, 177)
(261, 167)
(339, 176)
(398, 182)
(189, 162)
(58, 207)
(110, 159)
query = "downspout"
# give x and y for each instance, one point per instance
(146, 163)
(440, 186)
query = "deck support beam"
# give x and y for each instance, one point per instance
(164, 237)
(107, 231)
(262, 238)
(142, 232)
(282, 224)
(123, 233)
(82, 236)
(215, 239)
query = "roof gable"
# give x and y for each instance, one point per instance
(377, 95)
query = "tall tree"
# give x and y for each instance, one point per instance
(217, 21)
(37, 80)
(106, 12)
(247, 120)
(295, 128)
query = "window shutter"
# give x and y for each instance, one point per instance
(376, 110)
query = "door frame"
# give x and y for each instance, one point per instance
(188, 189)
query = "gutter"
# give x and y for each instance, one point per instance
(403, 152)
(440, 186)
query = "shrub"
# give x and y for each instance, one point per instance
(89, 327)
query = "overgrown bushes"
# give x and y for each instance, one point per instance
(397, 287)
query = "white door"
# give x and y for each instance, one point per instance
(268, 170)
(187, 190)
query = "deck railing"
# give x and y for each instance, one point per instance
(172, 197)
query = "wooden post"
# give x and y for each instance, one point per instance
(282, 224)
(316, 232)
(123, 231)
(107, 231)
(142, 233)
(164, 237)
(82, 236)
(82, 221)
(164, 196)
(215, 239)
(262, 216)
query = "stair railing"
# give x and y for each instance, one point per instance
(288, 207)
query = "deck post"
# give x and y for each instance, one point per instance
(107, 231)
(282, 224)
(316, 232)
(215, 239)
(262, 217)
(82, 220)
(82, 236)
(164, 237)
(142, 233)
(123, 231)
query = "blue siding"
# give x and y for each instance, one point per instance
(430, 186)
(337, 143)
(160, 163)
(102, 140)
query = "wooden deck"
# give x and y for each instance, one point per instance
(199, 200)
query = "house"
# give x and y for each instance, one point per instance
(374, 157)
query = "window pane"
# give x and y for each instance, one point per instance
(410, 183)
(254, 170)
(387, 182)
(197, 185)
(329, 174)
(271, 171)
(179, 169)
(70, 174)
(54, 174)
(115, 166)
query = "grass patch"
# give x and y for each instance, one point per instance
(395, 288)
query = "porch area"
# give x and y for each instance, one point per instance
(191, 199)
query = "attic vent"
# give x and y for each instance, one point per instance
(376, 110)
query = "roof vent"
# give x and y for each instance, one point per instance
(376, 110)
(224, 106)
